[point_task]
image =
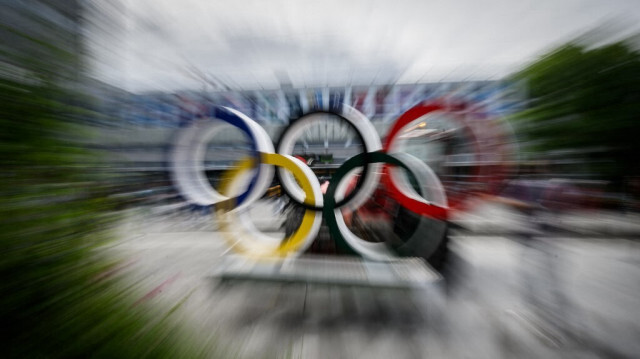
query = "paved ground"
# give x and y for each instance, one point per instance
(488, 218)
(561, 297)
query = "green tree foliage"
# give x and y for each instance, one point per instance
(56, 299)
(587, 100)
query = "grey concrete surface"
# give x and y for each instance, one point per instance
(556, 297)
(493, 219)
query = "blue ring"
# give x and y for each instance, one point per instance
(223, 113)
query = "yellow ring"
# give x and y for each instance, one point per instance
(290, 244)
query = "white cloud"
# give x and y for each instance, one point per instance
(338, 42)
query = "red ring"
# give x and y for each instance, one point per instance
(406, 118)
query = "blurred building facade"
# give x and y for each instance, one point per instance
(136, 130)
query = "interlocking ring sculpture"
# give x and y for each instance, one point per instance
(250, 178)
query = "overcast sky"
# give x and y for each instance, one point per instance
(169, 45)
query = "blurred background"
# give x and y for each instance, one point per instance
(103, 256)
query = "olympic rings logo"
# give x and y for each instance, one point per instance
(250, 178)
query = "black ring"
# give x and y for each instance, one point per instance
(361, 179)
